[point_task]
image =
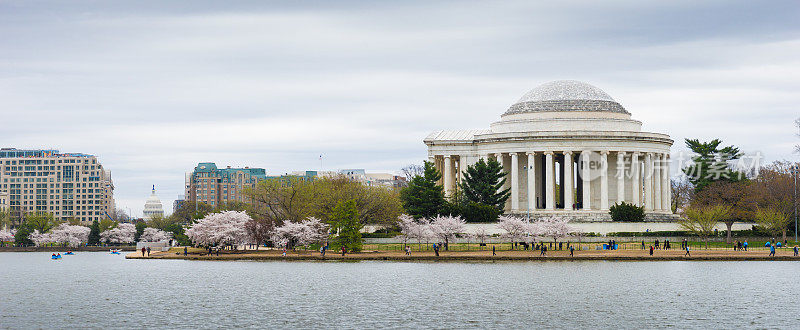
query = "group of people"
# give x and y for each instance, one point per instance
(147, 250)
(740, 246)
(666, 246)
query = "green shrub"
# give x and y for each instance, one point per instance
(379, 235)
(478, 212)
(627, 212)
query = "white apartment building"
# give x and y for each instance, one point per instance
(67, 185)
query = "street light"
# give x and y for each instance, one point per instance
(794, 201)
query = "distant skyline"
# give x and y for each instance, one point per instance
(153, 88)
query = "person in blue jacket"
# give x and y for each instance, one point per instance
(772, 250)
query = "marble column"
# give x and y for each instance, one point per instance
(604, 181)
(648, 181)
(550, 181)
(514, 181)
(620, 177)
(531, 180)
(636, 183)
(569, 198)
(657, 183)
(587, 184)
(448, 176)
(666, 186)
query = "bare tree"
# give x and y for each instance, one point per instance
(412, 170)
(797, 123)
(740, 196)
(682, 193)
(120, 215)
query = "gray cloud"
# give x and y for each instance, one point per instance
(153, 87)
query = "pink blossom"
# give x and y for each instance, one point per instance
(154, 235)
(7, 235)
(220, 229)
(63, 234)
(308, 231)
(123, 233)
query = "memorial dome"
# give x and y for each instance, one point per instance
(565, 96)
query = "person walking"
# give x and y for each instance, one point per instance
(656, 244)
(543, 253)
(772, 250)
(185, 251)
(436, 249)
(344, 250)
(571, 251)
(494, 253)
(148, 251)
(651, 250)
(642, 244)
(687, 251)
(745, 245)
(143, 251)
(796, 250)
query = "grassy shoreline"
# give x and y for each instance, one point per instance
(62, 249)
(480, 256)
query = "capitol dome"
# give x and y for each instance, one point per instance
(565, 96)
(153, 207)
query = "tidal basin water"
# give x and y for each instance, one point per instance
(100, 290)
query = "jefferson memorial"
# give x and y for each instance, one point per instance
(568, 148)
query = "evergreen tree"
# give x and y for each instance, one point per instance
(22, 235)
(140, 226)
(94, 233)
(711, 163)
(345, 218)
(424, 197)
(483, 183)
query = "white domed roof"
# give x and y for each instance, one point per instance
(153, 207)
(565, 95)
(565, 90)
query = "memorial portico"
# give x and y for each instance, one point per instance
(568, 148)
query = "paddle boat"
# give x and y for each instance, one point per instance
(69, 253)
(55, 256)
(114, 251)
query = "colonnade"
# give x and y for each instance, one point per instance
(572, 180)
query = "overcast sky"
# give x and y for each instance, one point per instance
(154, 87)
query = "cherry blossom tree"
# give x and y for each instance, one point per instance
(556, 227)
(415, 229)
(406, 224)
(259, 229)
(226, 228)
(123, 233)
(64, 234)
(308, 231)
(39, 239)
(515, 227)
(481, 234)
(7, 235)
(154, 235)
(446, 227)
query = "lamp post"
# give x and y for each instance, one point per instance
(794, 201)
(530, 198)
